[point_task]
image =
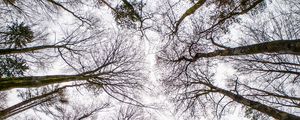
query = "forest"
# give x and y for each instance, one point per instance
(149, 60)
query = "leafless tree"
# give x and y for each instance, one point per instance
(32, 101)
(264, 54)
(104, 60)
(216, 15)
(73, 111)
(129, 112)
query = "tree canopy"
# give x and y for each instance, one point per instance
(78, 59)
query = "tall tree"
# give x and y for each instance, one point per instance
(266, 53)
(103, 59)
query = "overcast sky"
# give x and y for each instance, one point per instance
(153, 94)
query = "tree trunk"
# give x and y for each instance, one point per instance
(32, 102)
(25, 50)
(189, 12)
(37, 81)
(27, 104)
(275, 113)
(279, 46)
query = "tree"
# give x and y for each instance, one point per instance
(106, 57)
(265, 54)
(33, 101)
(104, 63)
(131, 113)
(224, 14)
(115, 73)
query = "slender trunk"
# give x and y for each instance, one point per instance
(37, 81)
(279, 46)
(108, 5)
(32, 102)
(27, 104)
(273, 112)
(233, 14)
(188, 12)
(25, 50)
(69, 11)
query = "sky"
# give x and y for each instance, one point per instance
(153, 94)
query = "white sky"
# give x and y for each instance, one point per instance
(156, 96)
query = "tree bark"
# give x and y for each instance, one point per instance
(37, 81)
(188, 12)
(279, 46)
(32, 102)
(28, 49)
(273, 112)
(27, 104)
